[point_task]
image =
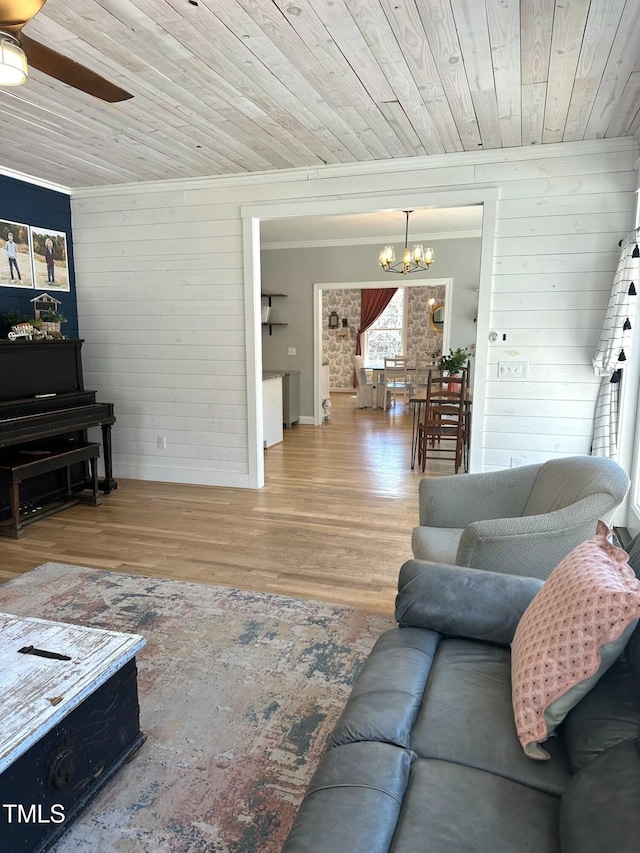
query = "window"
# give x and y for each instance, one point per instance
(385, 338)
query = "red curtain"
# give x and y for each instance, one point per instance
(372, 304)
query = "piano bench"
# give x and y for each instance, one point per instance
(18, 464)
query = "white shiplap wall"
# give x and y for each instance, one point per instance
(558, 227)
(161, 298)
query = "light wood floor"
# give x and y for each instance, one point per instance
(333, 521)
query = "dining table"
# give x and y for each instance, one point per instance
(377, 375)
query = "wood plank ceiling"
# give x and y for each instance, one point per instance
(231, 86)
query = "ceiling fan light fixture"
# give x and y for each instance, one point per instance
(13, 62)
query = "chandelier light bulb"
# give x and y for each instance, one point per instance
(387, 256)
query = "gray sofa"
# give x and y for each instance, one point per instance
(425, 757)
(520, 520)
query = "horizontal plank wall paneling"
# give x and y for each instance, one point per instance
(556, 254)
(162, 309)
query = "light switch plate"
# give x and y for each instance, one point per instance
(513, 369)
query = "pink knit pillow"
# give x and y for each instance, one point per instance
(569, 636)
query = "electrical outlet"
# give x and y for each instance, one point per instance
(292, 350)
(517, 461)
(162, 442)
(513, 369)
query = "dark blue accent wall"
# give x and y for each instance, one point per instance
(43, 208)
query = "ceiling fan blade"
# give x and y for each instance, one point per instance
(14, 14)
(62, 68)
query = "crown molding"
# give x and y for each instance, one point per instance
(371, 241)
(31, 179)
(372, 167)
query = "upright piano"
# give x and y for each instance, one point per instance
(42, 396)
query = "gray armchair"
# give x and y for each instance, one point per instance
(521, 520)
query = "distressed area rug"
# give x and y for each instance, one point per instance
(238, 693)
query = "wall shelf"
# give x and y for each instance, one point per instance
(269, 297)
(270, 325)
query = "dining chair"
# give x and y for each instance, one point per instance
(468, 413)
(443, 420)
(397, 379)
(365, 389)
(420, 376)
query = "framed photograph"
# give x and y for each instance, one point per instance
(342, 334)
(50, 265)
(15, 255)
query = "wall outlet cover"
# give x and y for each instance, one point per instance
(292, 350)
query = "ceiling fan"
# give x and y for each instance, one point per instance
(16, 49)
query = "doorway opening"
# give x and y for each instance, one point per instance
(419, 340)
(316, 213)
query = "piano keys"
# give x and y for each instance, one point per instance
(42, 396)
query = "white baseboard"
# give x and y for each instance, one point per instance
(305, 419)
(168, 474)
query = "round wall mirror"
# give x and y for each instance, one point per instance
(436, 317)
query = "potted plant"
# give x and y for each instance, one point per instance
(453, 364)
(51, 320)
(455, 361)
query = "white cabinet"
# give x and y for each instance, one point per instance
(272, 409)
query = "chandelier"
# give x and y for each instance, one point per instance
(413, 260)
